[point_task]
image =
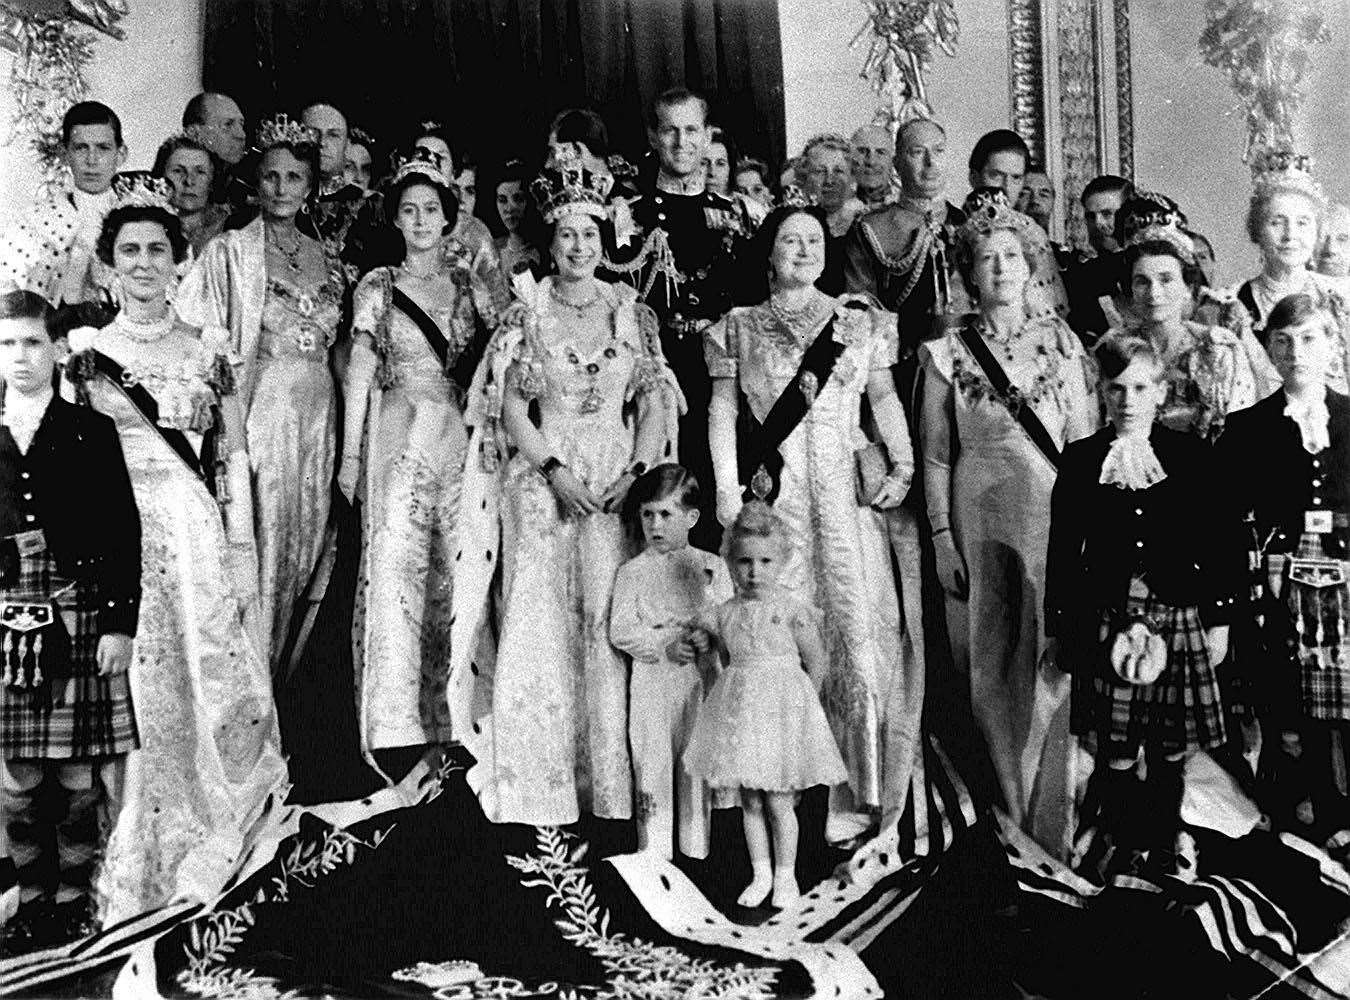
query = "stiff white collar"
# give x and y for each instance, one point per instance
(23, 414)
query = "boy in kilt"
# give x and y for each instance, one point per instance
(66, 719)
(1141, 583)
(1286, 463)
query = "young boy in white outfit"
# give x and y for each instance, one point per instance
(656, 595)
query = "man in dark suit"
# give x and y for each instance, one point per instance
(70, 587)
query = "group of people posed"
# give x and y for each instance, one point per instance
(679, 487)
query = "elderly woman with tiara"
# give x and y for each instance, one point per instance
(586, 358)
(280, 295)
(414, 350)
(1003, 392)
(210, 752)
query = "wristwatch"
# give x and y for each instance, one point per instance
(550, 465)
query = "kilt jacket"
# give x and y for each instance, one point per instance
(1177, 534)
(73, 484)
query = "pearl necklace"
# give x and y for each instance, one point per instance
(1270, 292)
(145, 331)
(405, 272)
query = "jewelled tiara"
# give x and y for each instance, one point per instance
(283, 130)
(137, 189)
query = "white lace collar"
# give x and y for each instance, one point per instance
(1131, 464)
(1312, 418)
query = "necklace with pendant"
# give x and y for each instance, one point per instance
(1005, 344)
(290, 254)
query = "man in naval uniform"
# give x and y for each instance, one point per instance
(900, 253)
(679, 252)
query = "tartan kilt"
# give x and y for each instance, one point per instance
(1182, 710)
(87, 715)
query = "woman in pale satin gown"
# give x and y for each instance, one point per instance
(210, 753)
(588, 355)
(841, 559)
(416, 341)
(280, 296)
(988, 491)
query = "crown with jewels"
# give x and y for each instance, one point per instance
(568, 187)
(137, 189)
(1282, 168)
(424, 163)
(283, 130)
(1157, 219)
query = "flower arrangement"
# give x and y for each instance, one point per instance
(904, 34)
(1265, 47)
(51, 50)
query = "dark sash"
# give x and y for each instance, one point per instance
(141, 398)
(758, 460)
(436, 340)
(1024, 413)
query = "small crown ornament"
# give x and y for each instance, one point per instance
(283, 130)
(137, 189)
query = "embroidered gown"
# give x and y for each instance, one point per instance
(409, 496)
(556, 742)
(210, 753)
(841, 557)
(999, 510)
(282, 332)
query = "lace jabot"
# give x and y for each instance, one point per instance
(1312, 418)
(1130, 464)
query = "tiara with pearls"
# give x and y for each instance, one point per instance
(568, 187)
(1163, 222)
(1282, 168)
(424, 163)
(283, 130)
(137, 189)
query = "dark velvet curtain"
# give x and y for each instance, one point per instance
(496, 71)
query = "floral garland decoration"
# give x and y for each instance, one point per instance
(1264, 46)
(51, 51)
(900, 51)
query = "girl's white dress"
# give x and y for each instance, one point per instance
(762, 725)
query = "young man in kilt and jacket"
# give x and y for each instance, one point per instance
(69, 598)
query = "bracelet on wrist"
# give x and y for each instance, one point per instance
(941, 531)
(350, 458)
(549, 466)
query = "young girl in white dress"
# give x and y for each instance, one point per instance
(762, 729)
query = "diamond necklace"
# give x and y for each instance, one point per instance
(145, 331)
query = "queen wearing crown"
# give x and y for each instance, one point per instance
(415, 347)
(210, 753)
(1003, 392)
(789, 376)
(585, 355)
(1211, 370)
(280, 297)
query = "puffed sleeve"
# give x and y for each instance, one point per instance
(369, 302)
(721, 346)
(885, 340)
(651, 374)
